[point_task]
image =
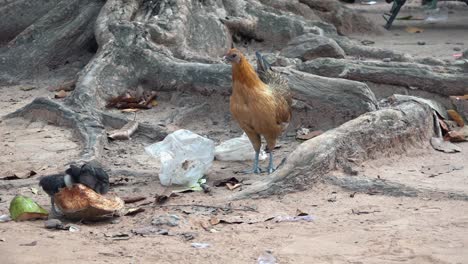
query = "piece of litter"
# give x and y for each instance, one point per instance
(73, 228)
(305, 218)
(5, 218)
(200, 245)
(414, 30)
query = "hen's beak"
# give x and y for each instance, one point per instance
(225, 59)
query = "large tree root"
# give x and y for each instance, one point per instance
(440, 80)
(90, 129)
(384, 132)
(386, 187)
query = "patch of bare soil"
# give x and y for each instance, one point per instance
(440, 39)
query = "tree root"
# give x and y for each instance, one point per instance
(384, 132)
(89, 128)
(440, 80)
(385, 187)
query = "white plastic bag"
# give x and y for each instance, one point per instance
(237, 149)
(185, 157)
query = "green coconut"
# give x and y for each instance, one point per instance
(24, 208)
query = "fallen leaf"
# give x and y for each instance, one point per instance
(34, 190)
(205, 225)
(118, 236)
(443, 125)
(455, 136)
(134, 211)
(460, 97)
(435, 170)
(414, 30)
(299, 212)
(129, 110)
(456, 117)
(27, 88)
(310, 135)
(125, 132)
(128, 200)
(154, 103)
(29, 244)
(444, 146)
(60, 94)
(231, 186)
(160, 199)
(19, 175)
(214, 220)
(2, 240)
(222, 183)
(359, 212)
(367, 42)
(66, 86)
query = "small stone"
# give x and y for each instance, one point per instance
(116, 221)
(200, 245)
(386, 59)
(53, 224)
(456, 49)
(188, 236)
(421, 43)
(169, 220)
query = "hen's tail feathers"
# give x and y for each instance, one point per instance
(262, 63)
(273, 79)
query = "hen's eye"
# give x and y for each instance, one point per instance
(234, 55)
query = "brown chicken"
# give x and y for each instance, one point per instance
(262, 108)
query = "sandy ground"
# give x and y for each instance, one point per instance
(348, 227)
(441, 39)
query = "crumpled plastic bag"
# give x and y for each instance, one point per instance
(185, 157)
(237, 149)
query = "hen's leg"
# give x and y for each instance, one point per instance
(256, 143)
(270, 168)
(52, 202)
(256, 169)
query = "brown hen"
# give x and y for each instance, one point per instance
(262, 108)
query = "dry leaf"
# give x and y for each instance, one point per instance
(414, 30)
(444, 146)
(214, 221)
(456, 117)
(309, 135)
(154, 103)
(443, 125)
(134, 211)
(299, 212)
(435, 170)
(27, 88)
(231, 186)
(125, 132)
(60, 94)
(205, 225)
(128, 200)
(231, 180)
(19, 175)
(130, 110)
(455, 136)
(460, 97)
(34, 190)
